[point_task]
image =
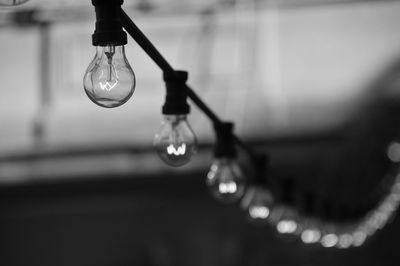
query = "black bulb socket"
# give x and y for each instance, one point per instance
(109, 30)
(225, 146)
(176, 97)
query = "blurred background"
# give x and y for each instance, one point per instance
(315, 83)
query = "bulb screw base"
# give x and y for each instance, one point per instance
(224, 147)
(109, 30)
(176, 97)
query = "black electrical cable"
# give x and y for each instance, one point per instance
(157, 57)
(145, 43)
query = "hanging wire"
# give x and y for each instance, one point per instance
(163, 64)
(285, 219)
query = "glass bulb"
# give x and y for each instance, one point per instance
(258, 204)
(12, 2)
(288, 223)
(175, 142)
(109, 80)
(225, 180)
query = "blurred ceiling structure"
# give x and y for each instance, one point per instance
(56, 10)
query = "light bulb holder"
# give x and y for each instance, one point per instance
(176, 96)
(109, 30)
(225, 146)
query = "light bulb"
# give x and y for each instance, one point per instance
(288, 223)
(12, 2)
(175, 142)
(225, 180)
(109, 80)
(258, 204)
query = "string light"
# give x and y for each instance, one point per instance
(329, 240)
(257, 202)
(286, 227)
(310, 236)
(109, 80)
(345, 240)
(225, 178)
(176, 142)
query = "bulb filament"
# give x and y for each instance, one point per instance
(112, 78)
(227, 188)
(261, 212)
(181, 150)
(107, 85)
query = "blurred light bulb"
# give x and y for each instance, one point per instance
(175, 142)
(258, 203)
(393, 152)
(345, 241)
(287, 220)
(12, 2)
(309, 236)
(359, 238)
(286, 227)
(109, 80)
(329, 240)
(225, 180)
